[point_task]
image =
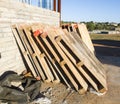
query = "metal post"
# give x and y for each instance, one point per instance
(59, 9)
(59, 6)
(54, 5)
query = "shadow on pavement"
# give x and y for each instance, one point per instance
(107, 47)
(108, 51)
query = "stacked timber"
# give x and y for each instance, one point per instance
(57, 55)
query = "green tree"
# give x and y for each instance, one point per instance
(118, 24)
(90, 26)
(98, 26)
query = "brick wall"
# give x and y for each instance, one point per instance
(12, 12)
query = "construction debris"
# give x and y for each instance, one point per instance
(57, 55)
(10, 93)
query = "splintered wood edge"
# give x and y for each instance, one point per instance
(103, 90)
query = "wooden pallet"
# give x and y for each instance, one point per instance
(60, 56)
(26, 55)
(79, 50)
(45, 62)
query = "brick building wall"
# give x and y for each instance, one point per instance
(12, 12)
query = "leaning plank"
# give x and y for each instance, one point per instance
(23, 50)
(54, 70)
(85, 37)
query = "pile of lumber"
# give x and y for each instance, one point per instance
(57, 55)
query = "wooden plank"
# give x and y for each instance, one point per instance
(85, 37)
(87, 51)
(71, 78)
(22, 48)
(54, 69)
(47, 70)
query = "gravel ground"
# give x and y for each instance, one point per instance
(59, 94)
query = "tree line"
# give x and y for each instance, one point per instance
(99, 25)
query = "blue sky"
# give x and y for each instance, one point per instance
(91, 10)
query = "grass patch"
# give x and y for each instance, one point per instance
(115, 37)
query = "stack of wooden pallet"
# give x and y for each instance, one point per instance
(59, 56)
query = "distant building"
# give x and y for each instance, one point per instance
(114, 24)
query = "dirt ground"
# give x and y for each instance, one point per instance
(59, 94)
